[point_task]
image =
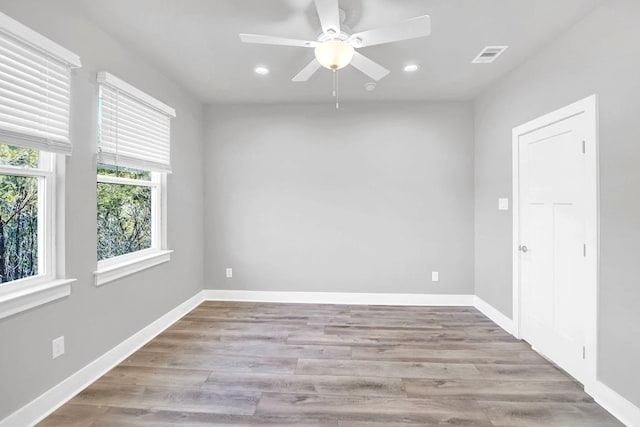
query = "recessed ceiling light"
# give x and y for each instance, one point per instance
(411, 68)
(263, 71)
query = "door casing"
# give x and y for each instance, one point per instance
(589, 107)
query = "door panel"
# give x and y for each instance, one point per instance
(552, 227)
(569, 235)
(536, 283)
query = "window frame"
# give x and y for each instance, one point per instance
(45, 173)
(49, 284)
(23, 294)
(128, 152)
(120, 266)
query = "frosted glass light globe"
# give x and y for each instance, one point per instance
(334, 54)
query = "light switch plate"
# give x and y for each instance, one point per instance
(229, 273)
(57, 347)
(435, 276)
(503, 204)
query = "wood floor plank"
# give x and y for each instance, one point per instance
(165, 398)
(255, 364)
(521, 391)
(281, 332)
(140, 375)
(186, 335)
(123, 417)
(212, 362)
(250, 348)
(510, 414)
(425, 354)
(74, 415)
(521, 372)
(435, 340)
(233, 327)
(391, 369)
(395, 334)
(361, 408)
(369, 423)
(367, 325)
(306, 384)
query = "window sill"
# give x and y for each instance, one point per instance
(115, 271)
(34, 296)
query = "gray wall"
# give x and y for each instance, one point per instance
(94, 320)
(600, 55)
(370, 198)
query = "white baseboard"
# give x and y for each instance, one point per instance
(493, 314)
(45, 404)
(625, 411)
(338, 298)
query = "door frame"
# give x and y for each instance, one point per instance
(589, 107)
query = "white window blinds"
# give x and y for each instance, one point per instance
(35, 86)
(135, 129)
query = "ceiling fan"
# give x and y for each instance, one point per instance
(335, 48)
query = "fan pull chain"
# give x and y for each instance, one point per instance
(334, 82)
(336, 87)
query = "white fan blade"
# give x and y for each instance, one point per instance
(307, 71)
(367, 66)
(411, 29)
(279, 41)
(329, 14)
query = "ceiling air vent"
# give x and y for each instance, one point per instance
(489, 54)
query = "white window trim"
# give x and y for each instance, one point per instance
(38, 41)
(109, 79)
(145, 123)
(24, 294)
(119, 267)
(112, 269)
(32, 296)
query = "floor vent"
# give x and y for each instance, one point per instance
(489, 54)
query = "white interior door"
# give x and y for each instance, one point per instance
(553, 235)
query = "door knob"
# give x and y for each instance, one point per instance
(523, 249)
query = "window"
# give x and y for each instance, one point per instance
(133, 163)
(125, 207)
(35, 93)
(25, 240)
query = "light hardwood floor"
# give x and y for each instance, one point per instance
(229, 363)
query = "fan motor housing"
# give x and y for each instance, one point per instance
(325, 37)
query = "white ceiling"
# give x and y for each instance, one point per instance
(196, 43)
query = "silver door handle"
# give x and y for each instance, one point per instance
(523, 249)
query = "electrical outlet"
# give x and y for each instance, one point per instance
(503, 204)
(57, 347)
(229, 273)
(435, 276)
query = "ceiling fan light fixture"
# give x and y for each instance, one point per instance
(334, 54)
